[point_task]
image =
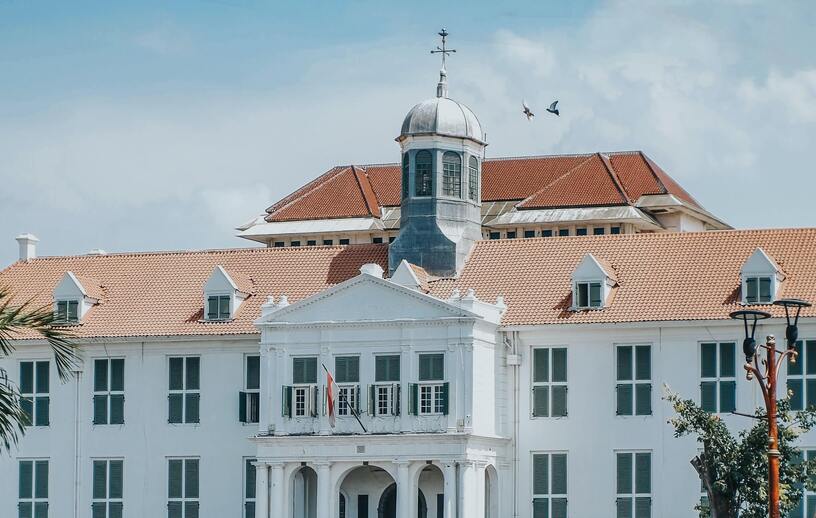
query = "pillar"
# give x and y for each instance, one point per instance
(406, 377)
(479, 489)
(325, 501)
(261, 490)
(277, 500)
(405, 492)
(467, 495)
(449, 484)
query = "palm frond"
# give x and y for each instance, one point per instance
(12, 415)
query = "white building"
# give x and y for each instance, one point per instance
(492, 378)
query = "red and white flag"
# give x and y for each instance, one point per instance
(331, 397)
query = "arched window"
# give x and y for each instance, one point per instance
(405, 175)
(451, 174)
(473, 178)
(423, 179)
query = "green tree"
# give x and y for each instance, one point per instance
(733, 468)
(18, 320)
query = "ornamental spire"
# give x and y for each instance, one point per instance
(442, 86)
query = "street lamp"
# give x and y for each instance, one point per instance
(767, 378)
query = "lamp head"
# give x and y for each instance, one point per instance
(792, 309)
(753, 316)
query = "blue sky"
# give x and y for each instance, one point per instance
(162, 125)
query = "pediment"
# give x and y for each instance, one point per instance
(366, 298)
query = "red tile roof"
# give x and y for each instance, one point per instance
(660, 277)
(537, 182)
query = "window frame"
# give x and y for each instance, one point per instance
(590, 284)
(33, 499)
(719, 379)
(65, 317)
(806, 380)
(406, 171)
(350, 390)
(473, 179)
(633, 495)
(634, 381)
(549, 496)
(184, 499)
(423, 186)
(220, 297)
(452, 174)
(107, 500)
(306, 390)
(184, 391)
(758, 299)
(36, 398)
(109, 392)
(549, 383)
(249, 482)
(251, 396)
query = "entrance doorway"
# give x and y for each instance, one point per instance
(388, 504)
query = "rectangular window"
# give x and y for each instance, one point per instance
(377, 240)
(362, 506)
(634, 485)
(511, 234)
(430, 395)
(34, 390)
(33, 489)
(385, 393)
(588, 295)
(806, 507)
(328, 242)
(344, 241)
(529, 233)
(433, 398)
(249, 400)
(549, 485)
(546, 233)
(391, 239)
(495, 235)
(182, 488)
(550, 382)
(598, 231)
(295, 243)
(218, 307)
(718, 385)
(249, 488)
(109, 391)
(67, 311)
(758, 290)
(304, 379)
(634, 380)
(347, 377)
(107, 488)
(563, 232)
(311, 242)
(581, 231)
(279, 244)
(802, 375)
(184, 389)
(614, 230)
(387, 367)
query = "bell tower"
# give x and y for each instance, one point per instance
(442, 146)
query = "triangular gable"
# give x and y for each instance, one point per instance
(593, 268)
(222, 281)
(411, 276)
(365, 298)
(760, 262)
(72, 286)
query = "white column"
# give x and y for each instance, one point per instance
(322, 404)
(451, 360)
(479, 489)
(406, 378)
(277, 500)
(261, 490)
(449, 477)
(325, 501)
(467, 507)
(404, 490)
(276, 382)
(267, 402)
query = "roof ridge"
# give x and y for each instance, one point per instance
(610, 169)
(298, 194)
(653, 173)
(556, 180)
(360, 171)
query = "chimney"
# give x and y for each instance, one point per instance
(28, 246)
(372, 269)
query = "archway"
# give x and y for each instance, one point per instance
(304, 493)
(387, 508)
(491, 492)
(431, 483)
(361, 487)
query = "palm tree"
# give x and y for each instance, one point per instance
(16, 319)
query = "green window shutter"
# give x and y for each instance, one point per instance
(100, 479)
(193, 375)
(810, 393)
(595, 295)
(223, 306)
(25, 510)
(117, 372)
(728, 396)
(372, 400)
(242, 407)
(643, 472)
(41, 510)
(541, 365)
(249, 476)
(62, 310)
(41, 479)
(175, 406)
(191, 408)
(253, 372)
(115, 510)
(387, 368)
(298, 370)
(623, 507)
(541, 474)
(43, 369)
(43, 416)
(795, 366)
(559, 367)
(116, 478)
(559, 508)
(117, 409)
(708, 360)
(643, 507)
(315, 393)
(624, 473)
(751, 288)
(559, 474)
(174, 470)
(810, 357)
(708, 396)
(445, 397)
(541, 401)
(795, 388)
(559, 401)
(347, 369)
(727, 359)
(176, 374)
(98, 510)
(311, 370)
(413, 395)
(643, 362)
(190, 509)
(431, 367)
(26, 377)
(643, 399)
(191, 478)
(100, 409)
(174, 510)
(354, 370)
(27, 406)
(212, 308)
(100, 375)
(624, 363)
(541, 508)
(624, 398)
(26, 478)
(396, 391)
(583, 294)
(765, 289)
(286, 401)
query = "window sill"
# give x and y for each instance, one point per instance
(216, 321)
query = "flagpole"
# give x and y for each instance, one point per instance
(350, 407)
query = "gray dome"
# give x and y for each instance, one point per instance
(442, 116)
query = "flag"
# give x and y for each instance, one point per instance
(331, 397)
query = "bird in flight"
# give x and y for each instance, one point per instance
(553, 109)
(526, 111)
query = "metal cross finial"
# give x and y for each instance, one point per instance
(444, 50)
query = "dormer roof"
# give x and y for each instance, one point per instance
(592, 267)
(412, 276)
(75, 286)
(760, 262)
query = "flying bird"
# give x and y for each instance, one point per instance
(553, 109)
(526, 111)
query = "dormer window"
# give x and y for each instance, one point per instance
(218, 307)
(74, 296)
(760, 279)
(67, 311)
(592, 283)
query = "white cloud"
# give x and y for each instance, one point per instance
(795, 93)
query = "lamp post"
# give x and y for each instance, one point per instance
(767, 378)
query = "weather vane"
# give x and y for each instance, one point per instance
(444, 50)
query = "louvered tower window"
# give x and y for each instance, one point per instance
(473, 178)
(452, 174)
(405, 169)
(423, 176)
